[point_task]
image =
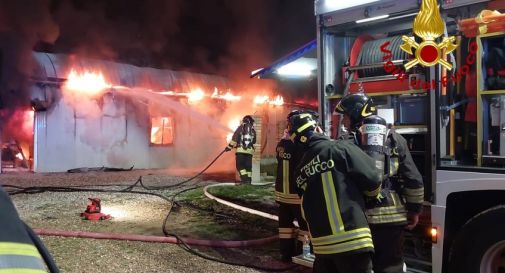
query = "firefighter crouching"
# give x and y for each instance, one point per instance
(288, 156)
(243, 140)
(18, 243)
(400, 202)
(332, 178)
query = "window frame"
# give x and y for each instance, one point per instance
(172, 121)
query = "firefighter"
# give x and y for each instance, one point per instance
(332, 178)
(288, 156)
(400, 202)
(19, 246)
(315, 117)
(243, 140)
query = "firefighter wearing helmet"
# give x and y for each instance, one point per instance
(243, 141)
(332, 178)
(20, 247)
(288, 155)
(400, 202)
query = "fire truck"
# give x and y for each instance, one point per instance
(452, 114)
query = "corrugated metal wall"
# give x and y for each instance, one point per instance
(111, 131)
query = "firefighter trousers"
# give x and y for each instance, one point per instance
(388, 244)
(343, 263)
(243, 163)
(290, 237)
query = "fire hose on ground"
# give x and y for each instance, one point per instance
(155, 239)
(169, 238)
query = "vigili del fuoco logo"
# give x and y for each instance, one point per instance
(428, 25)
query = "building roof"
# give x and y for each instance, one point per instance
(56, 67)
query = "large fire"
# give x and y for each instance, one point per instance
(277, 101)
(228, 96)
(264, 99)
(195, 95)
(86, 83)
(93, 83)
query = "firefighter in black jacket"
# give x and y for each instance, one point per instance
(243, 140)
(400, 202)
(332, 178)
(288, 156)
(19, 246)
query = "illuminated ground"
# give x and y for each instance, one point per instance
(140, 214)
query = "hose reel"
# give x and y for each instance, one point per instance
(371, 55)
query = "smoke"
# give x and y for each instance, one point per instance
(23, 24)
(224, 37)
(129, 31)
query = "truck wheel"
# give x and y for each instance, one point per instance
(480, 246)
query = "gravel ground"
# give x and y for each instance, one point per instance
(137, 214)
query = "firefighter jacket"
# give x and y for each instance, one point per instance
(17, 251)
(243, 139)
(288, 156)
(332, 177)
(403, 188)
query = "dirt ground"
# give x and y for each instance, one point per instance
(139, 214)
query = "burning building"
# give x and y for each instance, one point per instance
(94, 113)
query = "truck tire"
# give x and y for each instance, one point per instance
(480, 245)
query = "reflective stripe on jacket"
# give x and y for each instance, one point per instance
(288, 156)
(18, 254)
(332, 177)
(20, 258)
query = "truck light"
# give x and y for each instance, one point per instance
(340, 5)
(372, 19)
(295, 69)
(434, 234)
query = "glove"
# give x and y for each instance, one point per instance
(413, 219)
(227, 149)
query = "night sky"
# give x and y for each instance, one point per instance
(207, 36)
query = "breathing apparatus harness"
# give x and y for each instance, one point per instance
(376, 140)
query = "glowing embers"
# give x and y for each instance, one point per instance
(260, 100)
(162, 130)
(198, 94)
(277, 101)
(195, 95)
(263, 99)
(86, 83)
(228, 96)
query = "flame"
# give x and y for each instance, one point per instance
(19, 156)
(263, 99)
(88, 83)
(154, 136)
(228, 96)
(232, 124)
(260, 99)
(195, 95)
(27, 125)
(428, 23)
(215, 94)
(278, 101)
